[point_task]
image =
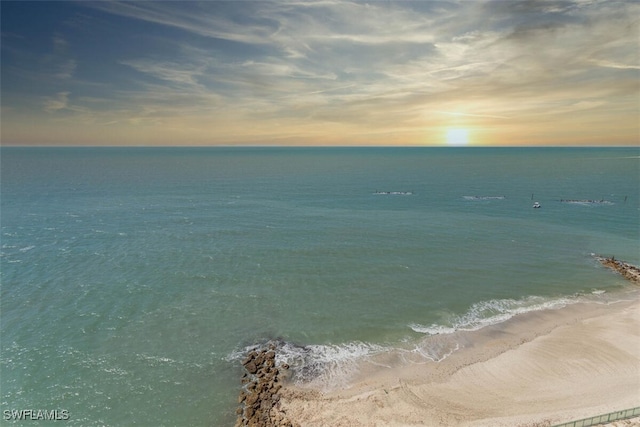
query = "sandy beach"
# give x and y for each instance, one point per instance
(540, 368)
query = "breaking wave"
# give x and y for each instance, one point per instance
(484, 197)
(491, 312)
(586, 202)
(331, 366)
(325, 366)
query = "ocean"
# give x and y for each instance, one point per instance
(133, 280)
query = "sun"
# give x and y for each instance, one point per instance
(457, 136)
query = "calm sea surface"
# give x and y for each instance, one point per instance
(133, 279)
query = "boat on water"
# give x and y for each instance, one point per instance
(536, 205)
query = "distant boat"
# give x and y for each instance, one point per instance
(536, 205)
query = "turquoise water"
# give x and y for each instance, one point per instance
(134, 278)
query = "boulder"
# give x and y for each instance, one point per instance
(251, 367)
(259, 400)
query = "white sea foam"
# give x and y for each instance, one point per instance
(587, 202)
(325, 366)
(491, 312)
(436, 349)
(156, 360)
(394, 193)
(330, 366)
(484, 197)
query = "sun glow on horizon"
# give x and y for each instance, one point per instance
(457, 136)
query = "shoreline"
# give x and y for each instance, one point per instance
(539, 368)
(536, 369)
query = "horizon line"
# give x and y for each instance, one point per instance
(12, 145)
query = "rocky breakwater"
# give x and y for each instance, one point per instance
(628, 271)
(259, 398)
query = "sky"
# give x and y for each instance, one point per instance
(406, 73)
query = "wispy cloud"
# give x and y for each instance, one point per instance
(184, 74)
(610, 64)
(57, 103)
(459, 114)
(199, 18)
(60, 60)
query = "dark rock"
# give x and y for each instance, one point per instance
(260, 400)
(251, 367)
(249, 412)
(251, 400)
(251, 356)
(628, 271)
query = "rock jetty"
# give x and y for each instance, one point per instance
(259, 399)
(628, 271)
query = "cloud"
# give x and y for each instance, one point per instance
(610, 64)
(183, 74)
(66, 69)
(398, 50)
(57, 103)
(60, 60)
(202, 19)
(374, 68)
(60, 44)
